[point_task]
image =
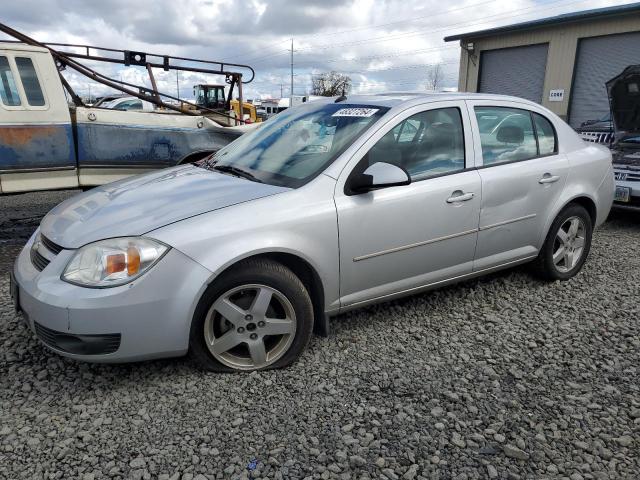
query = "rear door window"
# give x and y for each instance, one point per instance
(30, 83)
(506, 135)
(8, 89)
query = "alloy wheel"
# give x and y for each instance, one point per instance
(569, 244)
(250, 327)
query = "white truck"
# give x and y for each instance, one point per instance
(46, 143)
(129, 103)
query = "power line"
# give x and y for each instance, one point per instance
(368, 27)
(551, 5)
(385, 38)
(385, 56)
(402, 79)
(383, 84)
(395, 22)
(235, 55)
(276, 54)
(447, 27)
(506, 14)
(403, 67)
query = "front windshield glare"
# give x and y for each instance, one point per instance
(296, 145)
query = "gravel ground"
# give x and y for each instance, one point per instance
(503, 377)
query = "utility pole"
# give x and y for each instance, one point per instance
(291, 93)
(178, 83)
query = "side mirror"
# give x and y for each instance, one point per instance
(377, 176)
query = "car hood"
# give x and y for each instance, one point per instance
(626, 157)
(137, 205)
(595, 127)
(624, 98)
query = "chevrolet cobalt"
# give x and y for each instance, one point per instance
(328, 206)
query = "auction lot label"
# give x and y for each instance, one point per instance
(355, 112)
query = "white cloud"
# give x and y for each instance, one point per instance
(328, 35)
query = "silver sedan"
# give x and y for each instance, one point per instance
(327, 207)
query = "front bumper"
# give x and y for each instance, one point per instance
(628, 179)
(147, 318)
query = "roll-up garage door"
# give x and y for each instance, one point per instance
(517, 71)
(599, 59)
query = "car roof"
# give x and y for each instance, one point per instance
(116, 95)
(393, 99)
(127, 97)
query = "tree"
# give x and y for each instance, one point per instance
(434, 76)
(330, 84)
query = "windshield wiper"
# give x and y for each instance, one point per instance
(239, 172)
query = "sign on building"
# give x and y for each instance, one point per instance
(556, 95)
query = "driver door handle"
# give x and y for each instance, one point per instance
(459, 196)
(548, 178)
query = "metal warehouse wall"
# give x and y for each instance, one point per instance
(563, 42)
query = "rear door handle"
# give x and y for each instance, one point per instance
(459, 196)
(548, 178)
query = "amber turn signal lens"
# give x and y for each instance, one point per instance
(133, 260)
(116, 263)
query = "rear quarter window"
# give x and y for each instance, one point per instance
(8, 89)
(30, 82)
(547, 142)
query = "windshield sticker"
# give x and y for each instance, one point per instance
(355, 112)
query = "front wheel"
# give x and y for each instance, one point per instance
(567, 244)
(254, 317)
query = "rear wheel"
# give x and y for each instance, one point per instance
(254, 317)
(567, 244)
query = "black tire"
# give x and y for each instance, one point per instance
(544, 265)
(251, 272)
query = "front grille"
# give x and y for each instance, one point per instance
(79, 344)
(49, 245)
(627, 177)
(597, 137)
(38, 260)
(45, 334)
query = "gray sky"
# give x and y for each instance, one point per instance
(381, 44)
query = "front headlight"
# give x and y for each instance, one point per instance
(113, 262)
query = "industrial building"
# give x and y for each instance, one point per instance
(561, 62)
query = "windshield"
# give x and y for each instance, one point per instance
(198, 93)
(212, 95)
(606, 118)
(296, 145)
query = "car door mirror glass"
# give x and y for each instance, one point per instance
(379, 175)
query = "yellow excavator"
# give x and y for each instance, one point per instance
(211, 96)
(249, 111)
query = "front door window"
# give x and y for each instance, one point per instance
(427, 144)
